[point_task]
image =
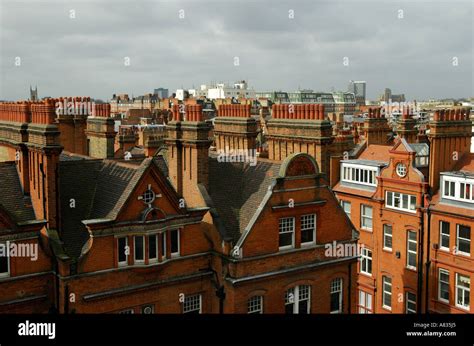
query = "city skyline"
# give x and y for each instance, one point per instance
(82, 48)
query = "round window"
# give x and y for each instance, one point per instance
(148, 196)
(401, 170)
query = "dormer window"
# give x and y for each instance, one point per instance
(359, 174)
(458, 188)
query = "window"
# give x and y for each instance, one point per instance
(465, 191)
(387, 237)
(387, 293)
(365, 303)
(401, 170)
(463, 240)
(463, 284)
(148, 309)
(411, 250)
(400, 201)
(444, 235)
(174, 235)
(458, 188)
(443, 285)
(308, 229)
(255, 305)
(347, 207)
(127, 312)
(366, 261)
(410, 303)
(192, 304)
(298, 300)
(152, 248)
(336, 296)
(449, 188)
(287, 231)
(359, 174)
(163, 245)
(4, 262)
(366, 217)
(123, 251)
(138, 244)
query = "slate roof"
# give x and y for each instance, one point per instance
(11, 194)
(236, 190)
(100, 189)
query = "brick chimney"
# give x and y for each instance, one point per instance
(235, 128)
(151, 138)
(450, 138)
(300, 128)
(72, 113)
(31, 135)
(340, 149)
(188, 152)
(406, 126)
(126, 139)
(100, 132)
(376, 129)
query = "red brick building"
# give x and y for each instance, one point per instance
(185, 232)
(390, 188)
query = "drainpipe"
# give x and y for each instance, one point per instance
(420, 263)
(350, 285)
(428, 259)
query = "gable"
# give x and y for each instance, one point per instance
(152, 199)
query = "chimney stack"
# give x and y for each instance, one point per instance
(235, 128)
(450, 139)
(188, 153)
(300, 128)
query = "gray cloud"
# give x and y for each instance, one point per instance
(84, 56)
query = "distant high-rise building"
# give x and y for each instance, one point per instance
(358, 89)
(161, 92)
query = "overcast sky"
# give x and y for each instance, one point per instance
(85, 55)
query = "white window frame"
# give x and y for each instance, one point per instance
(303, 228)
(465, 239)
(444, 235)
(411, 201)
(408, 310)
(255, 305)
(384, 292)
(364, 216)
(364, 257)
(292, 245)
(365, 304)
(463, 289)
(123, 263)
(187, 309)
(344, 204)
(138, 261)
(440, 282)
(155, 259)
(337, 287)
(354, 173)
(411, 252)
(296, 291)
(385, 234)
(176, 254)
(162, 247)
